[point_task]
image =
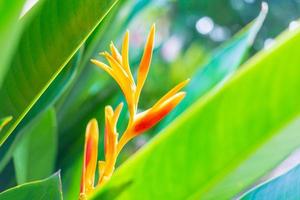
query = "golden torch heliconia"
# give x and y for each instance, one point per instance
(119, 70)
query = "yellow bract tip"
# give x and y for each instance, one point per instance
(102, 54)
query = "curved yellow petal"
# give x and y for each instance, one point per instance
(101, 168)
(122, 81)
(111, 136)
(145, 62)
(115, 53)
(128, 85)
(125, 55)
(104, 67)
(117, 114)
(116, 66)
(171, 93)
(109, 112)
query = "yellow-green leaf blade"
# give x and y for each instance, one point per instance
(47, 44)
(35, 153)
(10, 32)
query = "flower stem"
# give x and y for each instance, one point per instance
(123, 141)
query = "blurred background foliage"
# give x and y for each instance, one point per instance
(189, 33)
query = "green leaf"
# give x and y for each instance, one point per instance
(212, 150)
(35, 154)
(52, 38)
(55, 90)
(99, 37)
(4, 121)
(71, 178)
(223, 64)
(49, 188)
(10, 32)
(285, 186)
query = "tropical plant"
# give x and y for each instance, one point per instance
(138, 122)
(236, 121)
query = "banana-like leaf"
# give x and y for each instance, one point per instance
(213, 150)
(9, 33)
(286, 186)
(53, 92)
(71, 179)
(4, 121)
(224, 63)
(52, 38)
(49, 188)
(35, 154)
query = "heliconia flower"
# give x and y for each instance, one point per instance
(119, 70)
(90, 158)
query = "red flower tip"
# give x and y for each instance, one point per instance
(152, 116)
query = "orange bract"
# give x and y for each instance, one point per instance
(119, 70)
(90, 158)
(152, 116)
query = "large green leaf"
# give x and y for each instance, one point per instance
(53, 92)
(71, 179)
(10, 30)
(225, 62)
(214, 148)
(49, 188)
(35, 154)
(47, 44)
(285, 186)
